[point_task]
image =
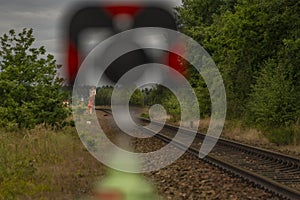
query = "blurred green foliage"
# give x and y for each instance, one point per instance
(30, 87)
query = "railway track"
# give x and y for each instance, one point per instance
(269, 170)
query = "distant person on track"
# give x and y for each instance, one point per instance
(90, 105)
(91, 99)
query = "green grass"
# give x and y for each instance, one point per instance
(43, 164)
(145, 115)
(19, 162)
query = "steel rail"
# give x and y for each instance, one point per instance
(264, 182)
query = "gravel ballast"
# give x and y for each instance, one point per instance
(191, 178)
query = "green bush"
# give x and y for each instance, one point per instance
(274, 103)
(281, 136)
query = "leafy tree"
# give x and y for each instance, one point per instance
(195, 16)
(103, 96)
(137, 98)
(274, 103)
(241, 35)
(163, 96)
(195, 19)
(30, 89)
(256, 46)
(242, 41)
(201, 91)
(146, 95)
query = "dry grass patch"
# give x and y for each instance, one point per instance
(247, 135)
(43, 164)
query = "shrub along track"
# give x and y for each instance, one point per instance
(276, 174)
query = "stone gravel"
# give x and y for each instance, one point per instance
(191, 178)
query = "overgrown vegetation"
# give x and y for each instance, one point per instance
(30, 88)
(256, 46)
(146, 97)
(103, 96)
(44, 164)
